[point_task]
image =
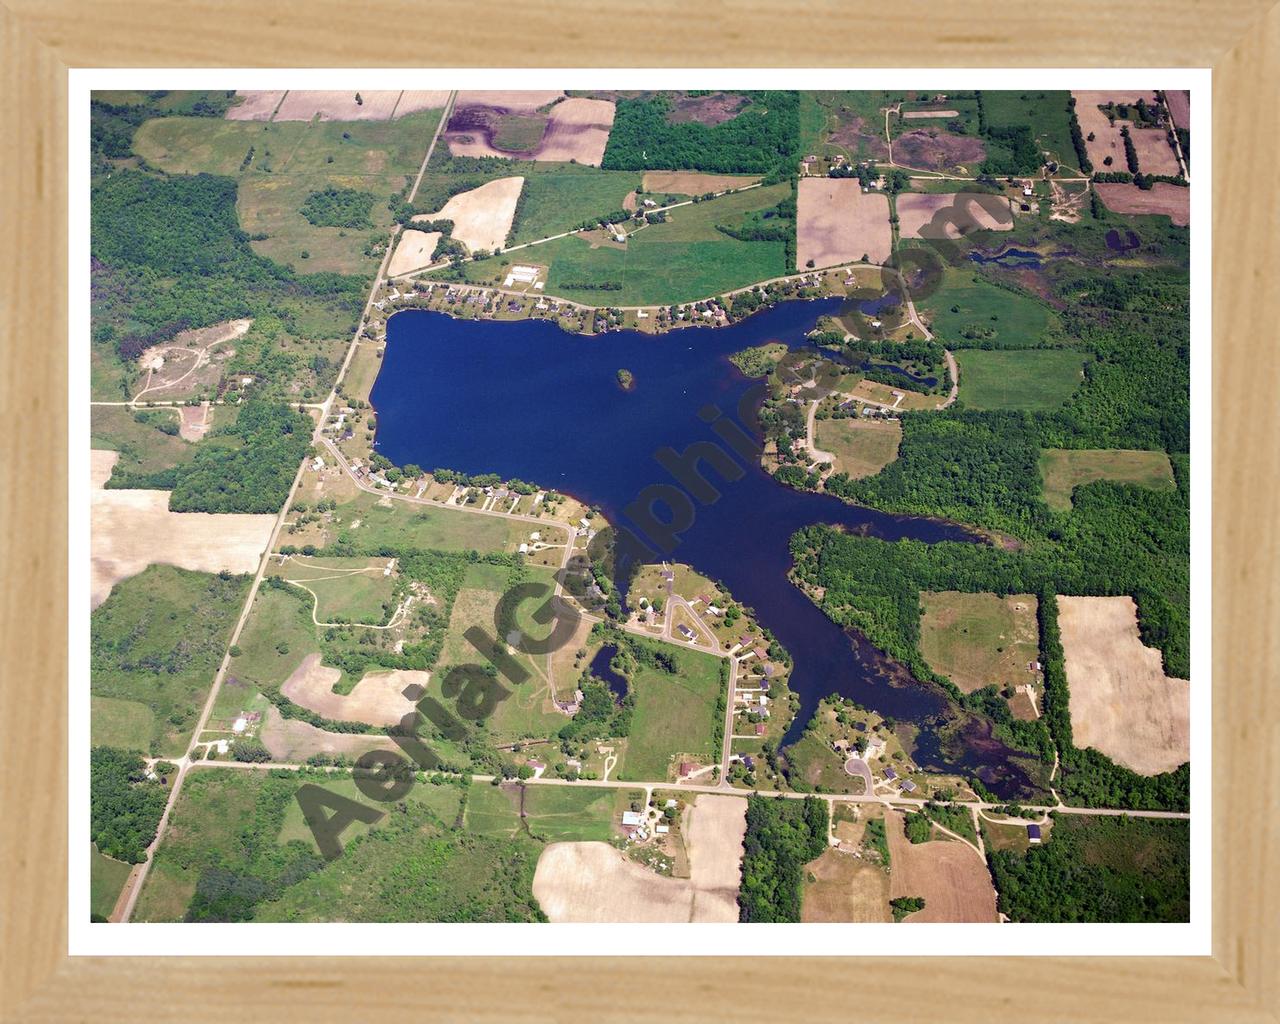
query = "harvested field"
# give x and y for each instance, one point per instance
(578, 130)
(932, 149)
(918, 115)
(593, 882)
(840, 887)
(1155, 156)
(292, 740)
(1122, 703)
(574, 129)
(951, 876)
(1179, 102)
(195, 421)
(965, 212)
(413, 100)
(191, 361)
(693, 183)
(836, 222)
(515, 100)
(378, 699)
(1172, 201)
(255, 104)
(338, 105)
(134, 529)
(413, 252)
(482, 217)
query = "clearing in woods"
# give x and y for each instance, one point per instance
(967, 308)
(950, 875)
(979, 639)
(1036, 380)
(595, 882)
(862, 445)
(836, 222)
(1065, 469)
(1122, 703)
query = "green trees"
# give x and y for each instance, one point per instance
(124, 806)
(783, 835)
(917, 827)
(339, 208)
(905, 905)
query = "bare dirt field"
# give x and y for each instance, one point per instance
(413, 252)
(482, 217)
(292, 740)
(1172, 201)
(836, 222)
(595, 882)
(919, 115)
(1122, 703)
(855, 135)
(693, 183)
(951, 876)
(255, 105)
(190, 361)
(1179, 101)
(933, 149)
(966, 212)
(413, 100)
(520, 100)
(338, 105)
(378, 699)
(195, 421)
(134, 529)
(1155, 156)
(578, 130)
(845, 888)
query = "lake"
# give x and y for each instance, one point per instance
(525, 399)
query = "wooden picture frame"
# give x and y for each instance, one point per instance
(41, 39)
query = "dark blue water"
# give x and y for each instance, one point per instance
(1008, 258)
(872, 307)
(525, 399)
(1118, 243)
(602, 670)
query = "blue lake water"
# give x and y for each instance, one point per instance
(602, 670)
(525, 399)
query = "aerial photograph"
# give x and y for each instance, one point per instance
(606, 506)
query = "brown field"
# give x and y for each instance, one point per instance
(594, 882)
(899, 399)
(515, 100)
(917, 115)
(255, 105)
(1172, 201)
(862, 447)
(1179, 101)
(482, 217)
(933, 149)
(967, 212)
(134, 529)
(378, 699)
(413, 100)
(190, 361)
(195, 421)
(714, 108)
(855, 134)
(576, 129)
(951, 876)
(979, 639)
(693, 183)
(292, 740)
(413, 252)
(845, 888)
(836, 222)
(1122, 703)
(338, 105)
(1155, 156)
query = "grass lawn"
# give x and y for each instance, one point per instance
(1046, 113)
(158, 640)
(407, 525)
(674, 714)
(563, 198)
(1064, 470)
(128, 724)
(1037, 380)
(552, 813)
(289, 161)
(976, 639)
(967, 308)
(363, 371)
(862, 446)
(344, 589)
(106, 878)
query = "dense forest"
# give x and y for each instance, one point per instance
(1098, 869)
(124, 805)
(339, 208)
(763, 139)
(782, 837)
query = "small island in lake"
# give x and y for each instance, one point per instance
(626, 380)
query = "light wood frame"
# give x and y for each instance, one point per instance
(41, 39)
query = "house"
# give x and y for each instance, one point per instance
(761, 653)
(317, 463)
(685, 631)
(686, 769)
(890, 774)
(642, 315)
(670, 803)
(749, 762)
(523, 549)
(632, 819)
(662, 830)
(1033, 833)
(760, 728)
(908, 786)
(1027, 190)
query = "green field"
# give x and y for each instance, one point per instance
(291, 160)
(967, 308)
(406, 525)
(118, 722)
(158, 641)
(674, 714)
(561, 199)
(1064, 470)
(979, 639)
(143, 446)
(106, 878)
(551, 813)
(1035, 380)
(344, 589)
(1044, 111)
(276, 637)
(443, 801)
(862, 446)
